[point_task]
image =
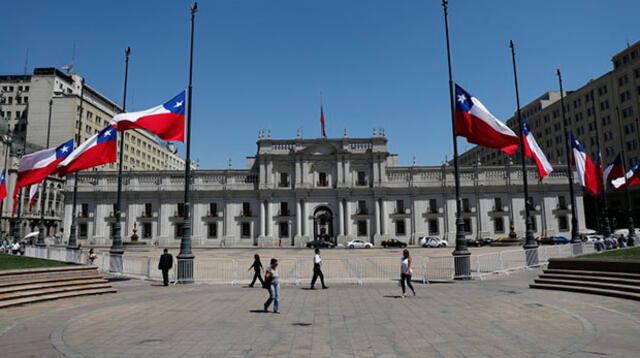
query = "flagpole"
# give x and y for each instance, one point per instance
(40, 242)
(462, 261)
(18, 220)
(605, 209)
(185, 257)
(117, 249)
(632, 232)
(530, 240)
(7, 149)
(73, 231)
(574, 220)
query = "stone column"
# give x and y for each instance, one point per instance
(340, 217)
(347, 222)
(377, 216)
(262, 218)
(384, 218)
(305, 219)
(298, 218)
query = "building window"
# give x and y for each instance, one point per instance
(497, 204)
(433, 227)
(213, 210)
(467, 226)
(284, 209)
(362, 228)
(563, 223)
(433, 206)
(83, 230)
(179, 227)
(498, 225)
(362, 207)
(246, 209)
(284, 180)
(283, 227)
(400, 227)
(465, 206)
(562, 203)
(322, 179)
(84, 210)
(146, 230)
(212, 230)
(361, 179)
(245, 230)
(148, 210)
(400, 207)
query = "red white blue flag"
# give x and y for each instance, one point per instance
(36, 166)
(3, 184)
(166, 120)
(533, 151)
(474, 122)
(585, 168)
(613, 171)
(632, 178)
(100, 149)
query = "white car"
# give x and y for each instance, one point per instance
(359, 244)
(432, 241)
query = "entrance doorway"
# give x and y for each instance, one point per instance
(323, 224)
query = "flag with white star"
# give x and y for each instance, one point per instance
(100, 149)
(35, 167)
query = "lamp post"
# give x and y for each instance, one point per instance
(185, 257)
(6, 139)
(40, 242)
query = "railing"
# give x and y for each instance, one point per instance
(355, 270)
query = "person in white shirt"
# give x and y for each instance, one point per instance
(15, 248)
(317, 271)
(406, 272)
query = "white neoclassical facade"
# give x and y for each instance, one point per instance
(296, 190)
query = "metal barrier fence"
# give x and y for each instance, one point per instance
(356, 270)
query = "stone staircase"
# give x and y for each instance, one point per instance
(19, 287)
(586, 280)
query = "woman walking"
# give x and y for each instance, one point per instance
(257, 269)
(406, 272)
(272, 279)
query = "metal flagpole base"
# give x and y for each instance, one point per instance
(462, 265)
(531, 256)
(115, 262)
(185, 270)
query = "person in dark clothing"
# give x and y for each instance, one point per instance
(317, 270)
(165, 264)
(257, 269)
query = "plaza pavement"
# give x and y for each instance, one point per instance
(497, 318)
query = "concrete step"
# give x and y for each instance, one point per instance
(631, 276)
(55, 296)
(590, 278)
(46, 291)
(52, 272)
(50, 284)
(50, 279)
(601, 285)
(589, 290)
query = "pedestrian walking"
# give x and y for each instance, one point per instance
(165, 264)
(272, 282)
(15, 247)
(91, 257)
(406, 272)
(257, 270)
(317, 271)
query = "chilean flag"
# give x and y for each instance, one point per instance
(599, 171)
(474, 122)
(614, 170)
(324, 134)
(100, 149)
(533, 151)
(586, 170)
(33, 190)
(3, 184)
(632, 178)
(165, 120)
(36, 166)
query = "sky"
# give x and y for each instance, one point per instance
(263, 64)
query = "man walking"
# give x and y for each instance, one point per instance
(165, 264)
(317, 271)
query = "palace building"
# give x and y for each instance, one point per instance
(296, 190)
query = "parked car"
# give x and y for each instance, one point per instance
(559, 240)
(359, 244)
(393, 243)
(590, 239)
(432, 241)
(423, 239)
(320, 244)
(479, 242)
